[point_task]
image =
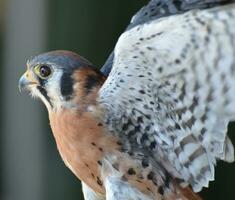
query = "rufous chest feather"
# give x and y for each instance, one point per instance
(82, 143)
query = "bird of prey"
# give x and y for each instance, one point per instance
(155, 127)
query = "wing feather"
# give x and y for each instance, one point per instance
(174, 79)
(156, 9)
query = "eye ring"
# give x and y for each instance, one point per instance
(43, 71)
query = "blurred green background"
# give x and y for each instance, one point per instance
(30, 166)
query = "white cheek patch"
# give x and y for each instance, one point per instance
(53, 86)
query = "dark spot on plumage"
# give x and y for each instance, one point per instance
(177, 126)
(99, 162)
(209, 96)
(177, 61)
(131, 171)
(119, 143)
(178, 150)
(99, 181)
(86, 165)
(92, 175)
(159, 33)
(66, 85)
(140, 176)
(189, 123)
(181, 111)
(140, 120)
(133, 112)
(146, 107)
(161, 190)
(148, 189)
(116, 166)
(101, 149)
(150, 176)
(147, 128)
(141, 91)
(153, 145)
(207, 39)
(99, 124)
(93, 144)
(145, 163)
(44, 93)
(203, 118)
(200, 137)
(125, 126)
(208, 29)
(138, 99)
(167, 180)
(160, 69)
(92, 80)
(170, 128)
(131, 133)
(194, 104)
(137, 128)
(203, 131)
(144, 138)
(200, 21)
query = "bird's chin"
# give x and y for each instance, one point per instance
(33, 91)
(36, 93)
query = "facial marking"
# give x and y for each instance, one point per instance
(66, 85)
(91, 81)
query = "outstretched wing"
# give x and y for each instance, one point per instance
(171, 91)
(156, 9)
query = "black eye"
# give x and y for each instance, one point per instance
(44, 71)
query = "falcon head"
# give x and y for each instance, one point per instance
(61, 79)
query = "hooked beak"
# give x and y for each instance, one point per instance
(25, 82)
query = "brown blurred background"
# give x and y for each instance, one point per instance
(30, 166)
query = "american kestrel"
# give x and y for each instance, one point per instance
(157, 125)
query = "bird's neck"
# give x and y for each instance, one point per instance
(74, 134)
